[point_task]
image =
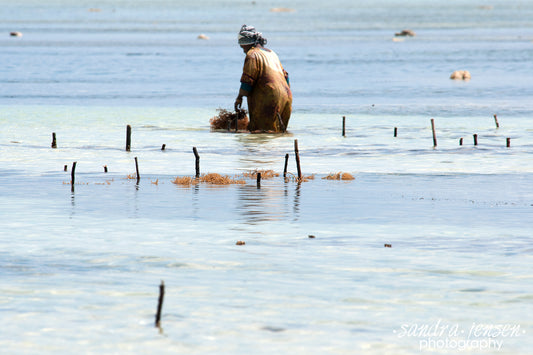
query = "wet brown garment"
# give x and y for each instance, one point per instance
(269, 93)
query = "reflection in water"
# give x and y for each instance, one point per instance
(296, 208)
(72, 204)
(259, 149)
(262, 205)
(195, 201)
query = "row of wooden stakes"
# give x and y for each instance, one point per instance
(197, 161)
(508, 140)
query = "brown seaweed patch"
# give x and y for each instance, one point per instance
(226, 120)
(295, 178)
(212, 178)
(265, 174)
(339, 176)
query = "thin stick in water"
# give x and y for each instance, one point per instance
(137, 170)
(197, 161)
(508, 142)
(395, 131)
(128, 138)
(258, 180)
(160, 304)
(475, 139)
(54, 142)
(461, 141)
(496, 121)
(163, 147)
(344, 126)
(434, 134)
(297, 154)
(73, 177)
(286, 163)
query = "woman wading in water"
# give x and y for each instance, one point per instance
(265, 84)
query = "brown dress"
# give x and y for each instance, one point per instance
(269, 93)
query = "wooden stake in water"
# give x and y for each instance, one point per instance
(286, 163)
(163, 147)
(461, 141)
(434, 134)
(54, 143)
(128, 138)
(105, 168)
(508, 142)
(258, 180)
(160, 304)
(297, 154)
(496, 121)
(72, 177)
(344, 126)
(197, 161)
(395, 131)
(475, 139)
(137, 170)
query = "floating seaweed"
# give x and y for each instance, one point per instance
(339, 176)
(212, 178)
(265, 174)
(295, 178)
(226, 120)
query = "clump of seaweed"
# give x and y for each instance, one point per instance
(295, 178)
(339, 176)
(212, 178)
(265, 174)
(226, 120)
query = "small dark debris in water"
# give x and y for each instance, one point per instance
(273, 329)
(226, 120)
(105, 168)
(405, 33)
(15, 34)
(65, 168)
(240, 242)
(472, 290)
(388, 246)
(311, 236)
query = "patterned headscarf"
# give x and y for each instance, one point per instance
(248, 35)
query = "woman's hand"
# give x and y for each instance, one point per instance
(238, 103)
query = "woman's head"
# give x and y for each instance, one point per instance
(248, 36)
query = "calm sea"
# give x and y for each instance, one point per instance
(428, 249)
